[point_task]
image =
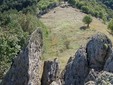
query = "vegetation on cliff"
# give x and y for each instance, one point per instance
(18, 19)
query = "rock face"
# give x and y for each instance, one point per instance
(91, 65)
(86, 68)
(76, 69)
(98, 49)
(51, 72)
(25, 67)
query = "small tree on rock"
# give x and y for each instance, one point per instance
(87, 20)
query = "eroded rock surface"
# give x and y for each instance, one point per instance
(77, 69)
(51, 72)
(86, 67)
(98, 50)
(25, 67)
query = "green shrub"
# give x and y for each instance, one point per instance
(43, 4)
(14, 36)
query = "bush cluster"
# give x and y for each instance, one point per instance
(94, 7)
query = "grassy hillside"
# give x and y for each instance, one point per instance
(65, 27)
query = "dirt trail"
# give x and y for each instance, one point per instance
(64, 25)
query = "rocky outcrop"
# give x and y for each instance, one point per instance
(51, 72)
(25, 67)
(77, 69)
(91, 65)
(88, 63)
(98, 50)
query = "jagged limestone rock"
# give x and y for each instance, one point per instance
(25, 67)
(51, 72)
(76, 70)
(98, 50)
(88, 62)
(104, 78)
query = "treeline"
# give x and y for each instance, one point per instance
(18, 19)
(93, 7)
(108, 3)
(16, 4)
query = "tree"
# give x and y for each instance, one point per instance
(87, 20)
(110, 25)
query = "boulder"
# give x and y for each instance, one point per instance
(25, 67)
(76, 70)
(98, 50)
(51, 72)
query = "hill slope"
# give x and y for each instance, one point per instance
(64, 25)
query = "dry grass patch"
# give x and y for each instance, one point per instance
(67, 22)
